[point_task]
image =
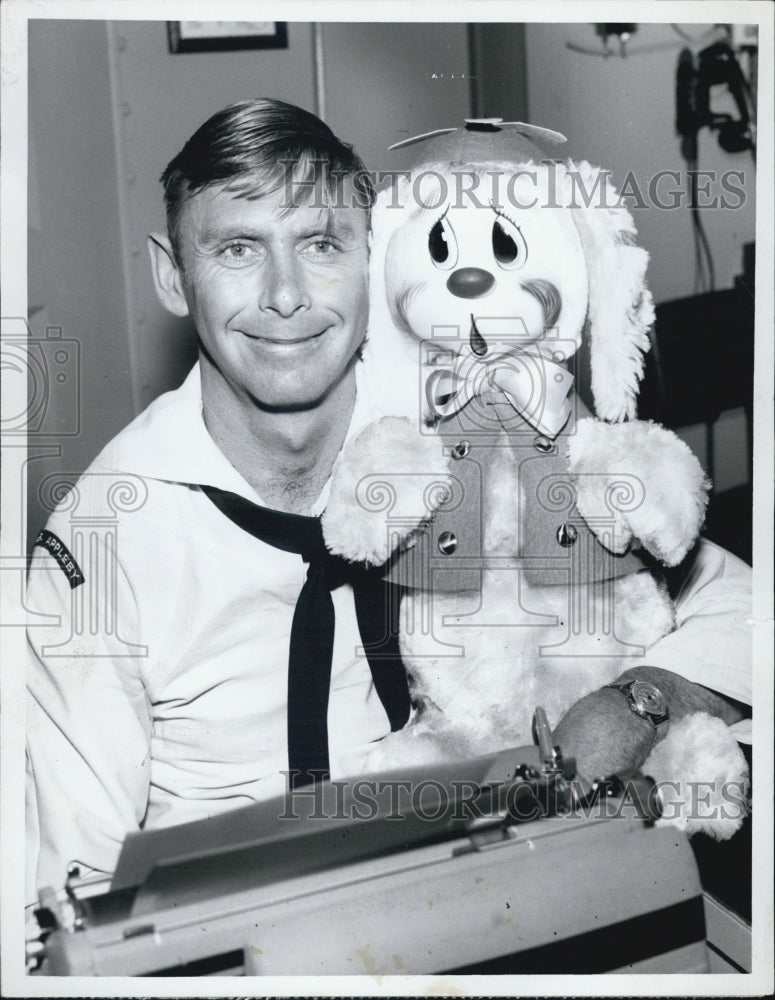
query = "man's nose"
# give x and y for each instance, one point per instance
(284, 287)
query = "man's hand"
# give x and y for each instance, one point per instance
(604, 736)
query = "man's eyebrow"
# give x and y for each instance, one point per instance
(331, 226)
(325, 226)
(215, 232)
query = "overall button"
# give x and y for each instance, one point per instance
(542, 444)
(461, 449)
(567, 535)
(447, 543)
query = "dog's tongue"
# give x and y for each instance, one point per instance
(477, 341)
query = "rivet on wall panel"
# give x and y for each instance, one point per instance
(121, 43)
(125, 109)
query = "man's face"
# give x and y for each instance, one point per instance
(279, 298)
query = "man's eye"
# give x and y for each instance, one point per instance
(237, 253)
(321, 248)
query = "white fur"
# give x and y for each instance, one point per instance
(702, 776)
(621, 309)
(485, 659)
(646, 478)
(389, 351)
(384, 486)
(480, 662)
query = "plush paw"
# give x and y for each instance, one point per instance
(702, 777)
(383, 487)
(638, 483)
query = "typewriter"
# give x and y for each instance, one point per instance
(509, 863)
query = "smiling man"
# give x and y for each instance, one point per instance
(177, 694)
(279, 300)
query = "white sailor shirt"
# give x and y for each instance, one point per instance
(158, 685)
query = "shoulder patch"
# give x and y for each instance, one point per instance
(48, 540)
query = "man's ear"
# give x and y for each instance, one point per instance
(166, 275)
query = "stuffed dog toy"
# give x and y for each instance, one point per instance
(527, 530)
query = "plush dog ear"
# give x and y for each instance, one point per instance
(621, 309)
(390, 211)
(388, 350)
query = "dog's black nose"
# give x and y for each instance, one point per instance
(470, 282)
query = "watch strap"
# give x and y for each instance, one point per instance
(659, 720)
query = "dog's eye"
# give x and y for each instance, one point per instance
(508, 243)
(442, 245)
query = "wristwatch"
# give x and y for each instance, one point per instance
(647, 701)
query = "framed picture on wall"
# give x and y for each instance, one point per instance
(226, 36)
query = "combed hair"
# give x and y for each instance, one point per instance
(267, 144)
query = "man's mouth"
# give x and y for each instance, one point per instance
(284, 341)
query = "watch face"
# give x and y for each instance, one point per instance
(649, 698)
